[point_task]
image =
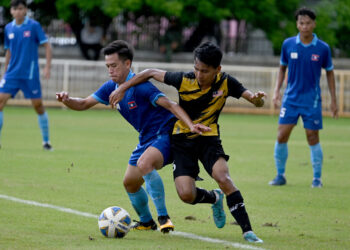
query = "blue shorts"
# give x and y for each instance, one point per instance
(312, 117)
(161, 142)
(30, 87)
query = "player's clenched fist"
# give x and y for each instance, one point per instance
(62, 96)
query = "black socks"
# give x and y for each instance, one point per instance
(237, 209)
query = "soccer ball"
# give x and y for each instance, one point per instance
(114, 222)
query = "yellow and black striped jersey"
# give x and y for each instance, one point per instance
(203, 106)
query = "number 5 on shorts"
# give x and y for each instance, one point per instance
(283, 112)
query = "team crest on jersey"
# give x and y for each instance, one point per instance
(294, 55)
(217, 93)
(26, 33)
(315, 57)
(132, 105)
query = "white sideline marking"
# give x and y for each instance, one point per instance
(212, 240)
(177, 233)
(62, 209)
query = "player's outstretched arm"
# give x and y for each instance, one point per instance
(181, 114)
(118, 94)
(256, 98)
(76, 103)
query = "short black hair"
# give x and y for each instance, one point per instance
(15, 3)
(208, 53)
(122, 48)
(303, 11)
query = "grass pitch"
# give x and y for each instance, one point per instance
(86, 168)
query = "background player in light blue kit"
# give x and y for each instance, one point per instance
(304, 55)
(151, 113)
(22, 39)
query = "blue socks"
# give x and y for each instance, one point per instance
(139, 201)
(44, 126)
(281, 155)
(316, 160)
(155, 188)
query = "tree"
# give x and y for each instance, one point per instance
(71, 11)
(75, 11)
(274, 17)
(333, 24)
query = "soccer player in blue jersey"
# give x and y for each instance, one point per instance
(304, 55)
(22, 38)
(202, 94)
(152, 114)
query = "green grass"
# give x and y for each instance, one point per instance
(86, 168)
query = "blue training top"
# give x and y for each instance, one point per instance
(23, 42)
(139, 108)
(304, 70)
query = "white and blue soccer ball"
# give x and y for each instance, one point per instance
(114, 222)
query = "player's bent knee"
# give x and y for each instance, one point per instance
(223, 179)
(225, 183)
(186, 197)
(221, 175)
(131, 186)
(144, 167)
(126, 184)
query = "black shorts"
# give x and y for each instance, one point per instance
(187, 152)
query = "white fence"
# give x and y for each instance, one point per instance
(81, 78)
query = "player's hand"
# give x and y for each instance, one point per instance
(116, 96)
(334, 110)
(199, 128)
(276, 99)
(258, 99)
(62, 96)
(47, 73)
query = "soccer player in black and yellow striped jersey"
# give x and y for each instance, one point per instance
(202, 94)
